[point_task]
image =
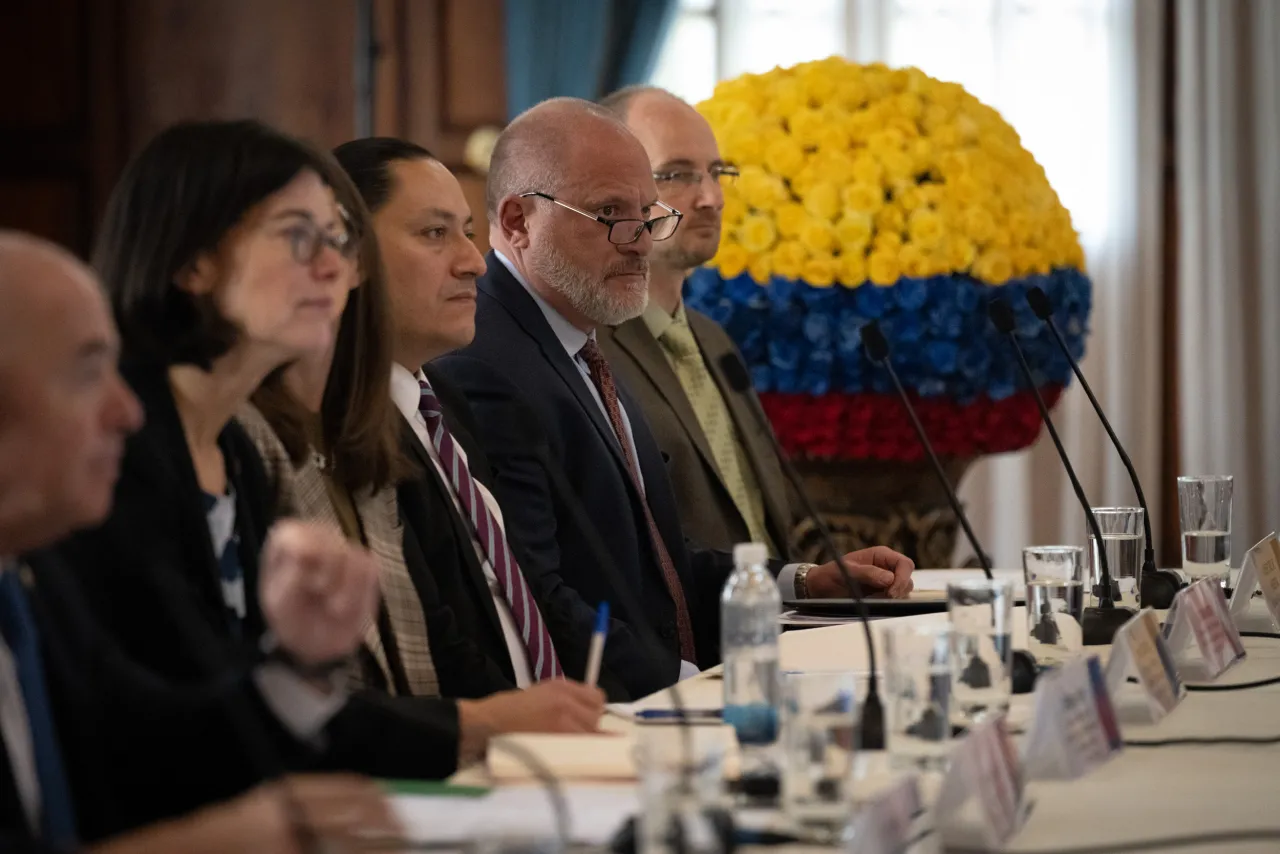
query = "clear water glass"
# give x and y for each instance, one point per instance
(672, 819)
(981, 614)
(1055, 601)
(917, 681)
(1124, 538)
(819, 732)
(1204, 505)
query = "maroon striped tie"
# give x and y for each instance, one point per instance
(533, 631)
(602, 376)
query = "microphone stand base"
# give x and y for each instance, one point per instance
(1101, 624)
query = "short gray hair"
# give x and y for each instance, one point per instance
(619, 102)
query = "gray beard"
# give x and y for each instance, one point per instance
(588, 294)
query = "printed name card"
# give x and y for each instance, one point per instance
(986, 765)
(1201, 611)
(1074, 728)
(1139, 650)
(1261, 569)
(884, 823)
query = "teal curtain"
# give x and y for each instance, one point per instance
(581, 48)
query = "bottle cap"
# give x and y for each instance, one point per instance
(750, 554)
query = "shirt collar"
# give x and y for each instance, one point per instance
(570, 337)
(657, 319)
(405, 391)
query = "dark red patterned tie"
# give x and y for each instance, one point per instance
(603, 378)
(528, 619)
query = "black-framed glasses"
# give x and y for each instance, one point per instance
(306, 239)
(624, 231)
(722, 173)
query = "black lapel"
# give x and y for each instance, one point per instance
(164, 463)
(511, 295)
(462, 529)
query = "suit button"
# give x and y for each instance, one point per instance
(668, 631)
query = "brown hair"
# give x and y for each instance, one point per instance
(358, 421)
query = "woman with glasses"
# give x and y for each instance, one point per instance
(228, 251)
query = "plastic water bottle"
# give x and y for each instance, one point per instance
(749, 609)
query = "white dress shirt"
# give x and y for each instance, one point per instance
(406, 393)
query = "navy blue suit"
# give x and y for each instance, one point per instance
(525, 389)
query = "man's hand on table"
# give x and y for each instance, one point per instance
(560, 705)
(880, 570)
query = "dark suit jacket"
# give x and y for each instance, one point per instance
(153, 584)
(438, 548)
(707, 510)
(526, 391)
(137, 749)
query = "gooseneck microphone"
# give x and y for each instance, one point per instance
(1157, 587)
(877, 350)
(1101, 622)
(871, 727)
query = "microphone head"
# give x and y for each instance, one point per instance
(873, 341)
(1001, 316)
(1039, 302)
(735, 372)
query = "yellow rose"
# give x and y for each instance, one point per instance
(783, 156)
(790, 217)
(1000, 239)
(786, 97)
(959, 253)
(913, 262)
(853, 230)
(1027, 261)
(761, 268)
(993, 267)
(979, 224)
(803, 182)
(806, 126)
(788, 259)
(867, 170)
(936, 264)
(817, 236)
(734, 212)
(757, 234)
(925, 227)
(891, 218)
(741, 147)
(882, 268)
(835, 167)
(909, 197)
(886, 241)
(823, 201)
(818, 86)
(867, 198)
(731, 260)
(898, 166)
(963, 189)
(909, 105)
(833, 137)
(759, 189)
(853, 269)
(820, 271)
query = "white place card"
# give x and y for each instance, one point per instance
(1261, 569)
(986, 765)
(884, 823)
(1200, 612)
(1139, 650)
(1074, 728)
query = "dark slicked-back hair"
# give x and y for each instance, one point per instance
(178, 199)
(368, 162)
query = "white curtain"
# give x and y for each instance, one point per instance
(1228, 119)
(1080, 82)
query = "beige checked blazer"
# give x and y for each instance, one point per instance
(302, 490)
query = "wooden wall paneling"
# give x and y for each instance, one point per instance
(287, 62)
(439, 77)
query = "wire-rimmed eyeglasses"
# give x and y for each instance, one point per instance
(624, 231)
(721, 173)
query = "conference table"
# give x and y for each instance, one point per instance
(1143, 795)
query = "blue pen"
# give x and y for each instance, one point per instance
(693, 716)
(596, 653)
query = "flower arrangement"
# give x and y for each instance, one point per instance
(870, 193)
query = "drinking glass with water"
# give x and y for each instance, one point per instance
(1055, 601)
(819, 732)
(981, 614)
(1204, 504)
(917, 670)
(1123, 532)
